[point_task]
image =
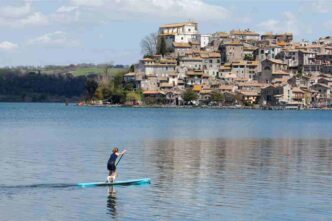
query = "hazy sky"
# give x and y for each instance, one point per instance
(41, 32)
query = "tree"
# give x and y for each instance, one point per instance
(162, 49)
(238, 98)
(216, 96)
(149, 44)
(248, 57)
(133, 97)
(118, 97)
(91, 86)
(106, 76)
(189, 95)
(99, 94)
(106, 92)
(118, 81)
(132, 68)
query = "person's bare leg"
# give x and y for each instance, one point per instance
(113, 176)
(109, 178)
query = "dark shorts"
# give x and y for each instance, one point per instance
(111, 167)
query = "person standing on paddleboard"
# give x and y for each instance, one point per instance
(111, 164)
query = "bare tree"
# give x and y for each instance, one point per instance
(149, 44)
(106, 75)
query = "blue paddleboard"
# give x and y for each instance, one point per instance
(125, 182)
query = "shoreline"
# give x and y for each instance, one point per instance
(233, 107)
(274, 108)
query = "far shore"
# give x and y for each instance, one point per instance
(235, 107)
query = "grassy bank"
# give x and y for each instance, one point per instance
(96, 70)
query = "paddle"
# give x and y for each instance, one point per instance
(119, 160)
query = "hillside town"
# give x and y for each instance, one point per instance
(245, 67)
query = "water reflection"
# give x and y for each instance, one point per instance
(111, 202)
(171, 157)
(239, 173)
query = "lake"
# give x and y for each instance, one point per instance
(205, 164)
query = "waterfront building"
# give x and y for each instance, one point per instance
(249, 97)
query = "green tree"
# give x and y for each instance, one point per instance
(132, 68)
(189, 95)
(129, 86)
(99, 94)
(133, 97)
(91, 86)
(248, 57)
(118, 81)
(106, 92)
(216, 96)
(162, 46)
(118, 97)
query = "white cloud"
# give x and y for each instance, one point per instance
(314, 7)
(65, 9)
(92, 3)
(288, 23)
(34, 19)
(66, 14)
(8, 46)
(15, 11)
(21, 16)
(321, 6)
(179, 9)
(57, 39)
(101, 10)
(270, 25)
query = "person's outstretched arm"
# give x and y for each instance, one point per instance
(123, 152)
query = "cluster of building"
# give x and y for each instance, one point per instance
(248, 68)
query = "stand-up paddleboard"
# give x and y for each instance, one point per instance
(117, 183)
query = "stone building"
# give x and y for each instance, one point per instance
(272, 68)
(232, 51)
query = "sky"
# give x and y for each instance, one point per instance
(62, 32)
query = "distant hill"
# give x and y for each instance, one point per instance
(75, 70)
(84, 71)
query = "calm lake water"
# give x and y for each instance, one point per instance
(205, 164)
